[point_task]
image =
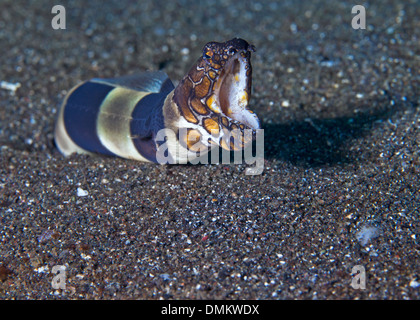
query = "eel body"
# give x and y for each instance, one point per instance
(146, 118)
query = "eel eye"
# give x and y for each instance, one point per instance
(232, 51)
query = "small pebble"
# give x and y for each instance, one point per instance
(81, 192)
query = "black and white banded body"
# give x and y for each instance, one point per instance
(126, 116)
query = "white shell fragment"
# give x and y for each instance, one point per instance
(81, 192)
(10, 86)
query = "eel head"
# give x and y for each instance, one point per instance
(213, 97)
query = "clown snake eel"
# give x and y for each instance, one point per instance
(134, 116)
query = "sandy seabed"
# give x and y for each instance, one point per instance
(340, 190)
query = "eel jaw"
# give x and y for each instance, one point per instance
(231, 91)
